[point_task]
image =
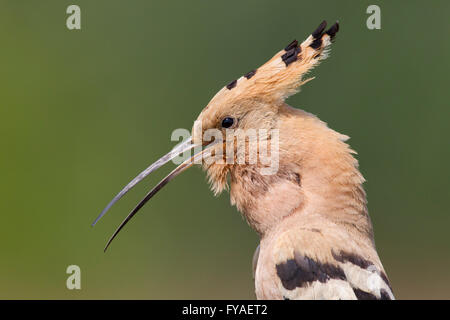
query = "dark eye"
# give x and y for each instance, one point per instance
(227, 122)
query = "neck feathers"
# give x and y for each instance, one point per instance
(317, 175)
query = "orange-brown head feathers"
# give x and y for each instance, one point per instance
(314, 168)
(254, 100)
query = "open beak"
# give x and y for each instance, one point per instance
(179, 149)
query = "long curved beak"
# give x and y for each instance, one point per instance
(177, 150)
(181, 148)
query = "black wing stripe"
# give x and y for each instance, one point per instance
(302, 270)
(362, 295)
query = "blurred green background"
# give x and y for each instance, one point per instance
(82, 112)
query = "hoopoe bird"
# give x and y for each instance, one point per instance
(316, 238)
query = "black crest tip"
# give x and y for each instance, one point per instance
(291, 55)
(318, 32)
(333, 30)
(231, 85)
(316, 44)
(250, 74)
(291, 45)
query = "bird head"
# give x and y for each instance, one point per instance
(247, 110)
(241, 122)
